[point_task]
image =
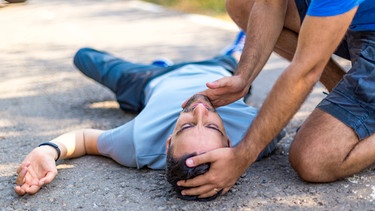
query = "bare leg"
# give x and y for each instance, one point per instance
(286, 45)
(239, 11)
(325, 149)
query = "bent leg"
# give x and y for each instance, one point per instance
(325, 149)
(239, 11)
(338, 138)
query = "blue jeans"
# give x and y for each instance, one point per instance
(128, 80)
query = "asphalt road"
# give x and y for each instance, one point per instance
(42, 96)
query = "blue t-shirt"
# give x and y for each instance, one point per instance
(364, 19)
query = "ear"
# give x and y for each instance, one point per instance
(168, 143)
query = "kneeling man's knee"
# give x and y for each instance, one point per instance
(310, 161)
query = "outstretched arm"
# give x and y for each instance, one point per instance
(39, 168)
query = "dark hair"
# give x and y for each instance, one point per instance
(177, 170)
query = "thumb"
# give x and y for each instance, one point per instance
(184, 104)
(213, 85)
(200, 159)
(222, 82)
(49, 177)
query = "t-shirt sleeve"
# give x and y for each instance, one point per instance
(331, 7)
(118, 144)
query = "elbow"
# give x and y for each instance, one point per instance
(309, 74)
(312, 77)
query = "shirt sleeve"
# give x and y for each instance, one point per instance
(331, 7)
(118, 144)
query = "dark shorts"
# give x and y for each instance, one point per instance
(352, 101)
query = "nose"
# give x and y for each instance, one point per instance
(200, 111)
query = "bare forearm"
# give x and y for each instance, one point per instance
(283, 101)
(262, 33)
(78, 143)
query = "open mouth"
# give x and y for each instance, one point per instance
(197, 99)
(203, 103)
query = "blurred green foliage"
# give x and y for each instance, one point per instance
(207, 7)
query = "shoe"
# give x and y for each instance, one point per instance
(162, 62)
(237, 45)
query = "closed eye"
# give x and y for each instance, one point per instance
(215, 127)
(184, 127)
(209, 126)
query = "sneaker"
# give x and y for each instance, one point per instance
(237, 45)
(162, 62)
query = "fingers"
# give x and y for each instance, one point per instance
(195, 182)
(33, 189)
(19, 190)
(211, 193)
(20, 180)
(22, 171)
(202, 191)
(21, 176)
(48, 178)
(27, 182)
(24, 164)
(200, 159)
(26, 189)
(19, 168)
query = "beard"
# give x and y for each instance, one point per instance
(198, 98)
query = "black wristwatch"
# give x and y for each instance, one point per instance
(54, 146)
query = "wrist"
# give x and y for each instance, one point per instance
(247, 153)
(54, 146)
(243, 72)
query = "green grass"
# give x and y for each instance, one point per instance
(215, 8)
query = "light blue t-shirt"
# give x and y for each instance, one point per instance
(364, 19)
(141, 142)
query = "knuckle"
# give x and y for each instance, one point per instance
(222, 184)
(214, 179)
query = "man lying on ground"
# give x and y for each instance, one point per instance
(161, 136)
